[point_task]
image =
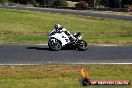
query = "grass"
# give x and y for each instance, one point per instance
(21, 27)
(60, 76)
(108, 12)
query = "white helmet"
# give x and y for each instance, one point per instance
(57, 27)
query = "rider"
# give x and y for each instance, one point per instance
(59, 28)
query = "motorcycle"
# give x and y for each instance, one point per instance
(57, 41)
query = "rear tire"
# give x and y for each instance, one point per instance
(54, 45)
(82, 45)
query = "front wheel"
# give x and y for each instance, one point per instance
(54, 44)
(82, 45)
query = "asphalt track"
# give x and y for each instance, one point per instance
(40, 55)
(37, 55)
(111, 16)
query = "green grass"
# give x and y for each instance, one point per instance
(20, 27)
(108, 12)
(60, 76)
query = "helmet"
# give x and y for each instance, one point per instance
(57, 27)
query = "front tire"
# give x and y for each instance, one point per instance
(82, 45)
(54, 45)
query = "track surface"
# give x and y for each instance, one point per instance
(40, 54)
(111, 16)
(35, 54)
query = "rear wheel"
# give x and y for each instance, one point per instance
(54, 45)
(82, 45)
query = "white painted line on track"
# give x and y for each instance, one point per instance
(17, 64)
(50, 63)
(41, 44)
(91, 45)
(101, 63)
(105, 45)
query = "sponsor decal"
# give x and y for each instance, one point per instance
(110, 82)
(85, 80)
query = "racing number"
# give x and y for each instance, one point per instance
(65, 38)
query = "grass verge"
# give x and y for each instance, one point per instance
(109, 12)
(60, 76)
(33, 27)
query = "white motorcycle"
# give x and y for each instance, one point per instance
(57, 41)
